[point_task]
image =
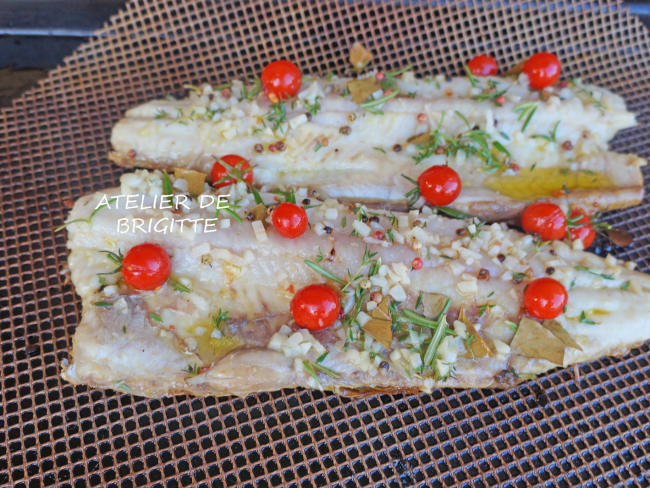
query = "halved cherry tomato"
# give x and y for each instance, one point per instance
(315, 307)
(290, 220)
(439, 185)
(543, 70)
(281, 79)
(234, 161)
(544, 219)
(580, 227)
(146, 266)
(483, 65)
(545, 298)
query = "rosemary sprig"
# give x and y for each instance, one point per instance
(371, 104)
(551, 137)
(250, 93)
(90, 217)
(277, 115)
(312, 108)
(428, 149)
(470, 76)
(220, 318)
(193, 369)
(526, 112)
(322, 271)
(585, 320)
(587, 270)
(453, 213)
(116, 259)
(178, 286)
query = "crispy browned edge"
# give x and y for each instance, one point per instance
(501, 208)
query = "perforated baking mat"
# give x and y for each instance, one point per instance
(584, 426)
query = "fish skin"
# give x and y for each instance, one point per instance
(123, 348)
(349, 167)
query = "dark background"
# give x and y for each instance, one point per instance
(35, 35)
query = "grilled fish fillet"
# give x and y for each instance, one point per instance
(533, 145)
(178, 338)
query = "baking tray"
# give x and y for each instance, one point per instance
(581, 426)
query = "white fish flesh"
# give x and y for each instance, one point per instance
(173, 340)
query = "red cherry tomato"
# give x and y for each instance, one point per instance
(544, 219)
(543, 70)
(483, 65)
(234, 161)
(290, 220)
(439, 185)
(545, 298)
(315, 307)
(281, 79)
(146, 266)
(580, 228)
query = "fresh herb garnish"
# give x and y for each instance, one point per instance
(312, 108)
(178, 286)
(103, 304)
(625, 285)
(371, 104)
(277, 115)
(219, 319)
(90, 217)
(114, 258)
(193, 369)
(322, 271)
(490, 93)
(526, 112)
(512, 325)
(470, 76)
(551, 137)
(155, 317)
(585, 320)
(250, 93)
(429, 148)
(587, 270)
(453, 213)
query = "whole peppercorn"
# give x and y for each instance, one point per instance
(345, 130)
(550, 270)
(567, 145)
(483, 274)
(258, 148)
(501, 258)
(280, 146)
(422, 118)
(397, 148)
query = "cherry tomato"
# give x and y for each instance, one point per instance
(483, 65)
(543, 70)
(315, 307)
(580, 228)
(439, 185)
(234, 161)
(281, 79)
(545, 298)
(146, 266)
(545, 219)
(290, 220)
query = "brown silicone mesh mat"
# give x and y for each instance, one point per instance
(587, 426)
